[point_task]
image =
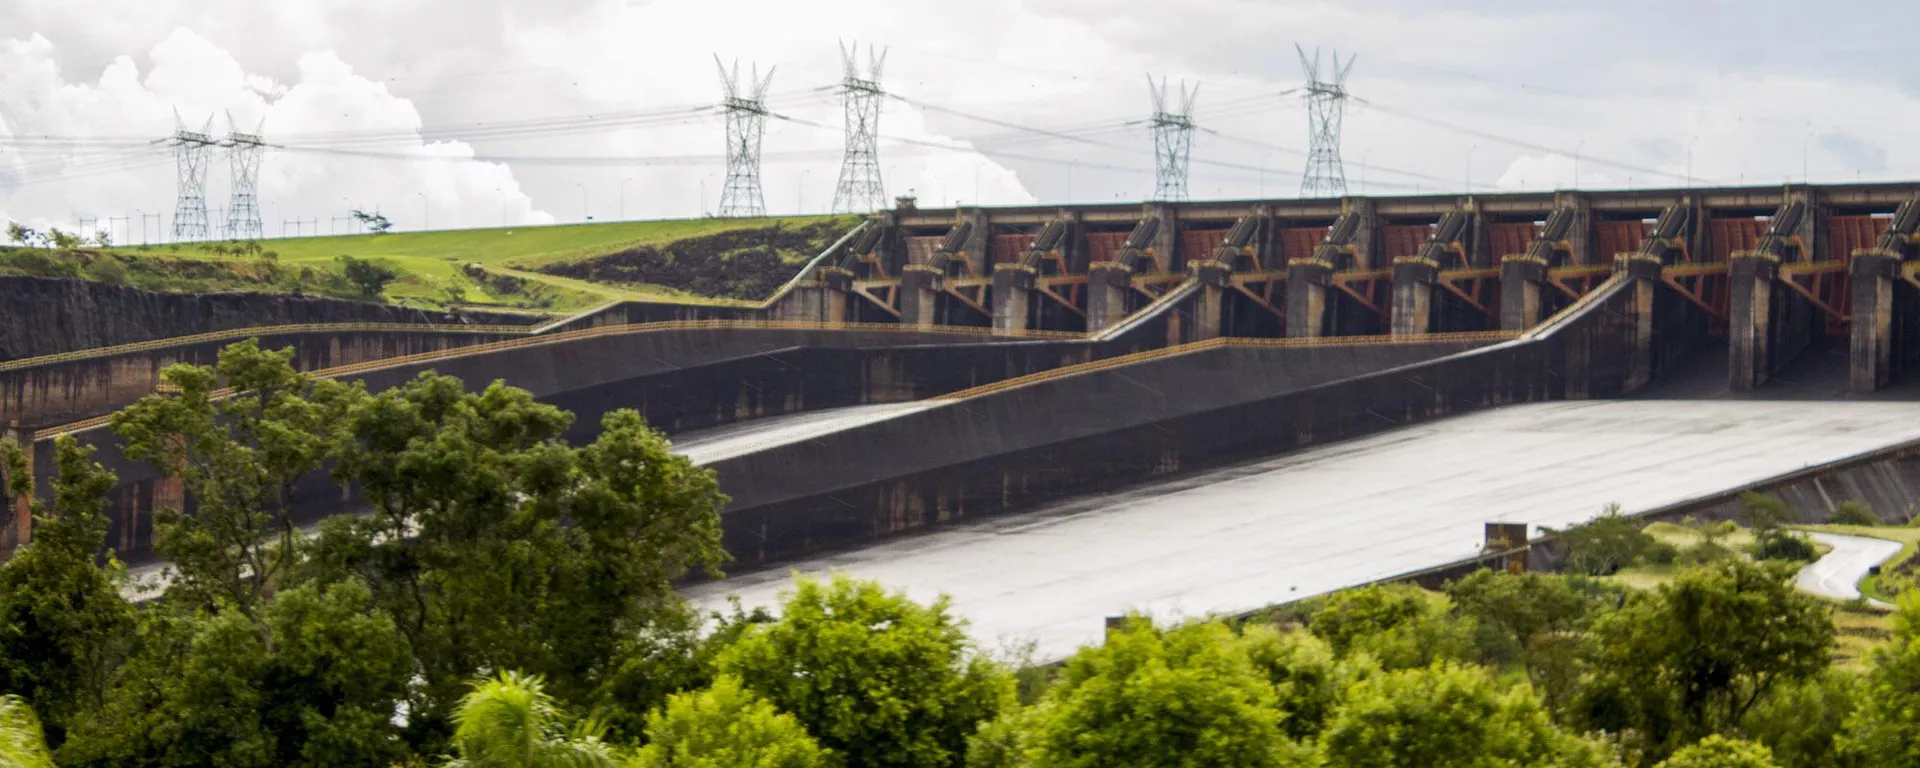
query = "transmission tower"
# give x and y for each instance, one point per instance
(1326, 107)
(190, 151)
(860, 189)
(746, 122)
(243, 153)
(1172, 137)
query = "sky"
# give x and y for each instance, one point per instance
(479, 113)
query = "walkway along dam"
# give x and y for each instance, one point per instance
(1042, 359)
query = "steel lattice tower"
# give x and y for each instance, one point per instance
(860, 189)
(746, 121)
(243, 154)
(1172, 139)
(190, 151)
(1326, 108)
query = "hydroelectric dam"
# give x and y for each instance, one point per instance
(1060, 414)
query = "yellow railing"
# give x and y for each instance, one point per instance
(1221, 343)
(261, 330)
(614, 330)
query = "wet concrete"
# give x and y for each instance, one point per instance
(1837, 574)
(1342, 514)
(709, 445)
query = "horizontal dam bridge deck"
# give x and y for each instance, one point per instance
(1347, 513)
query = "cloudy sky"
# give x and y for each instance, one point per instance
(463, 113)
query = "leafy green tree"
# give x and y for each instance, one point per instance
(497, 546)
(1447, 715)
(1851, 512)
(21, 745)
(239, 458)
(63, 240)
(1604, 544)
(1307, 678)
(1400, 625)
(61, 614)
(1695, 656)
(726, 726)
(314, 681)
(874, 676)
(1885, 729)
(510, 721)
(368, 276)
(20, 233)
(1187, 697)
(1718, 751)
(1512, 609)
(1768, 516)
(1802, 722)
(374, 222)
(675, 651)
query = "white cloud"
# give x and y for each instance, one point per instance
(119, 176)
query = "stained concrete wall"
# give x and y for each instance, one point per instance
(46, 316)
(1028, 446)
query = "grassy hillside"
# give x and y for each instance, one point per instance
(427, 261)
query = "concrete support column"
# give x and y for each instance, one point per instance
(1749, 313)
(1522, 279)
(1366, 238)
(1870, 362)
(1165, 239)
(1107, 287)
(1211, 308)
(1308, 281)
(1581, 238)
(1645, 273)
(978, 242)
(919, 294)
(1012, 292)
(1413, 286)
(837, 294)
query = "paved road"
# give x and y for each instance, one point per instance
(1321, 519)
(1838, 574)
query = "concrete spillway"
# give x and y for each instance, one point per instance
(709, 445)
(1341, 514)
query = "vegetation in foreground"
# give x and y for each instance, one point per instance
(550, 268)
(508, 602)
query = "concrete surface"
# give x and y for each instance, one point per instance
(706, 446)
(1342, 514)
(1838, 573)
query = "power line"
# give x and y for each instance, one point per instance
(860, 189)
(746, 123)
(1524, 144)
(1172, 139)
(1326, 110)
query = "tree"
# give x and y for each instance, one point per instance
(726, 727)
(1802, 722)
(63, 240)
(1187, 697)
(1767, 516)
(1400, 625)
(313, 681)
(453, 292)
(1511, 609)
(1718, 751)
(373, 221)
(510, 721)
(369, 276)
(1693, 657)
(1307, 678)
(1446, 715)
(102, 239)
(20, 233)
(874, 676)
(495, 545)
(239, 457)
(21, 745)
(1885, 729)
(1851, 512)
(1604, 544)
(61, 614)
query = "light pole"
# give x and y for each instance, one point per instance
(1470, 149)
(1805, 144)
(623, 197)
(1363, 170)
(703, 195)
(349, 216)
(1263, 174)
(976, 182)
(503, 206)
(1690, 141)
(143, 227)
(583, 202)
(425, 222)
(1577, 146)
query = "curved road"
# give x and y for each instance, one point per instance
(1838, 574)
